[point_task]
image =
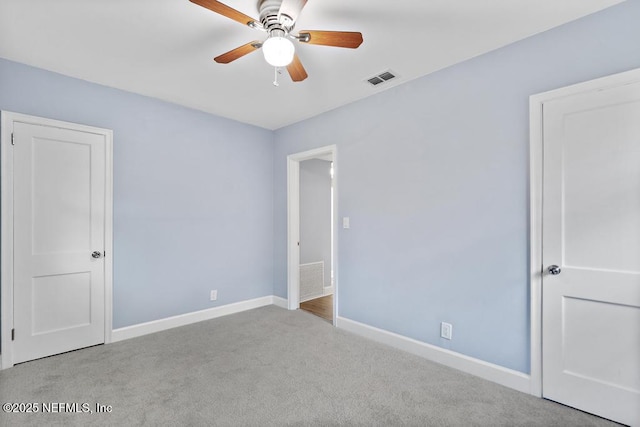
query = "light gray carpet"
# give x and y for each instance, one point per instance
(267, 366)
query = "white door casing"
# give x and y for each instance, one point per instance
(60, 213)
(293, 224)
(590, 229)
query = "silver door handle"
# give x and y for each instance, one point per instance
(554, 270)
(96, 254)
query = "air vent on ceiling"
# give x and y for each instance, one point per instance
(381, 78)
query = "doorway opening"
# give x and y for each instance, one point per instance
(312, 269)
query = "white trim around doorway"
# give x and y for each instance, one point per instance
(6, 225)
(293, 223)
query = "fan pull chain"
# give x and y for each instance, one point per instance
(276, 72)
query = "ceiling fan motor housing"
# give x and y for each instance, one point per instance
(270, 20)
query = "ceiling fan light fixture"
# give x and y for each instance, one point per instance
(277, 18)
(278, 51)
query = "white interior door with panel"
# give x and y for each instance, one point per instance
(591, 252)
(61, 204)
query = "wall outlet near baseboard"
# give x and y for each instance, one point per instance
(213, 296)
(446, 330)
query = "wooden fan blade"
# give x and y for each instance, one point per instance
(292, 8)
(224, 10)
(296, 70)
(348, 39)
(238, 52)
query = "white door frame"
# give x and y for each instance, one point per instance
(293, 224)
(6, 224)
(536, 104)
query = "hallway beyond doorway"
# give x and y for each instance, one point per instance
(321, 307)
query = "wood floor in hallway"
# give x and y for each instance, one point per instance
(321, 307)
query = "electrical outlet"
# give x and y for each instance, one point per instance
(446, 330)
(214, 295)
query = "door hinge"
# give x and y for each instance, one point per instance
(12, 141)
(13, 334)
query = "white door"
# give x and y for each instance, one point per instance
(59, 221)
(591, 232)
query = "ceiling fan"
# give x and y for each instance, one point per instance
(277, 19)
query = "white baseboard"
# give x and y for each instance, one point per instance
(280, 302)
(489, 371)
(194, 317)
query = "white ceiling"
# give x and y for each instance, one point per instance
(164, 48)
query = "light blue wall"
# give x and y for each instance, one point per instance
(434, 176)
(193, 194)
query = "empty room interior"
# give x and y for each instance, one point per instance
(292, 212)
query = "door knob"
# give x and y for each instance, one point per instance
(96, 254)
(554, 270)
